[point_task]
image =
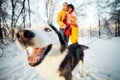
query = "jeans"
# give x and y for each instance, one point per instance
(64, 36)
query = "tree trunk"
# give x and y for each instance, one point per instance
(29, 14)
(99, 32)
(116, 29)
(1, 36)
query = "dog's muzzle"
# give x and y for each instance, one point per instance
(24, 36)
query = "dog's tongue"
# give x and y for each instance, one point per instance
(36, 55)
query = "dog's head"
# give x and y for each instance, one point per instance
(40, 41)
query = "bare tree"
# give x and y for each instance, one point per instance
(10, 19)
(115, 15)
(50, 8)
(29, 13)
(3, 15)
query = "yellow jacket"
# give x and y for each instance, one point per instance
(74, 32)
(60, 18)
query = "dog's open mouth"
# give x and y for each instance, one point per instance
(37, 55)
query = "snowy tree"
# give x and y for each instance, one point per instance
(12, 14)
(3, 15)
(115, 15)
(110, 10)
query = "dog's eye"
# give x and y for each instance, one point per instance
(47, 29)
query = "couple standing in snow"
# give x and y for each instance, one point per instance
(67, 22)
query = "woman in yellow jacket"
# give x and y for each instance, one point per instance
(72, 21)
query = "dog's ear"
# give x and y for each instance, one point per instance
(84, 47)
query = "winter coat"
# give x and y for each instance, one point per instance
(72, 20)
(61, 18)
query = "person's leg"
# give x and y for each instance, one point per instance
(62, 33)
(64, 36)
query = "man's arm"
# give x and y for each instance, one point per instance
(59, 20)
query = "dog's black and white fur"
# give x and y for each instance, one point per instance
(48, 52)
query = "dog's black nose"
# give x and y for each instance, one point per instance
(24, 35)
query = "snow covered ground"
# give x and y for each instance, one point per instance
(101, 61)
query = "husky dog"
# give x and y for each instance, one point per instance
(48, 52)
